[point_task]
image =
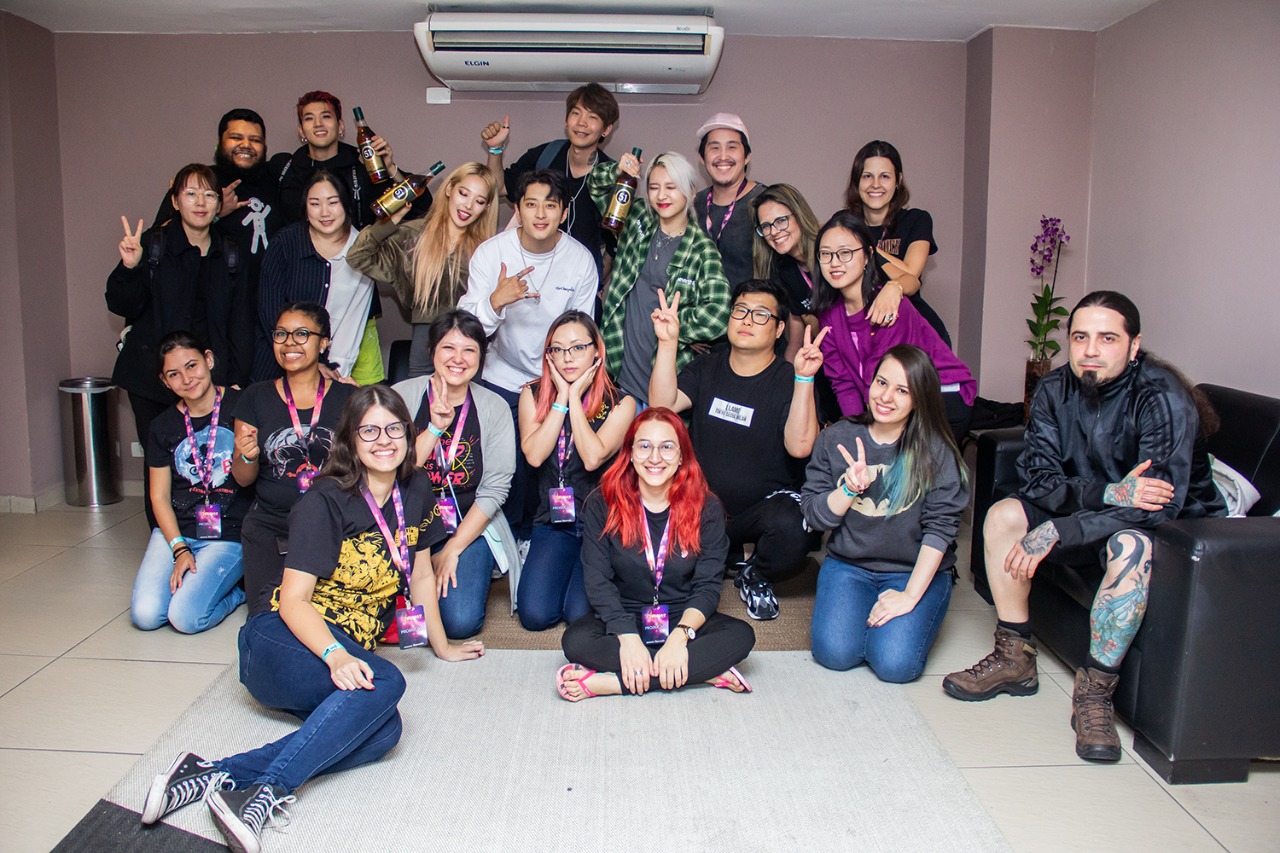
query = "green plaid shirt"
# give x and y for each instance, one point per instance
(695, 271)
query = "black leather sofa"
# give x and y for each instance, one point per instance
(1200, 685)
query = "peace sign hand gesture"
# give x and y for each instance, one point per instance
(666, 319)
(809, 357)
(131, 245)
(856, 476)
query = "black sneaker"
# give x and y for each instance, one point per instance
(757, 594)
(241, 815)
(188, 779)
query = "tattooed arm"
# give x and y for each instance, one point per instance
(1025, 557)
(1149, 493)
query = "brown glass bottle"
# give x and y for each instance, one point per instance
(373, 163)
(624, 192)
(410, 189)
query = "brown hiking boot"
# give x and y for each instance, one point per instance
(1093, 717)
(1010, 668)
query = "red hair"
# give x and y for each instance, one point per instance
(320, 96)
(687, 491)
(602, 389)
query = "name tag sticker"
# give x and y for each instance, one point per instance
(734, 413)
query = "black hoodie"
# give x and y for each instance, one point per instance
(296, 169)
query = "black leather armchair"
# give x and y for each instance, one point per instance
(1198, 685)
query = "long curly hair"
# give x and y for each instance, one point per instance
(687, 491)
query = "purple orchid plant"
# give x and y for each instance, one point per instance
(1046, 313)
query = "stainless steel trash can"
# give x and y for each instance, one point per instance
(87, 405)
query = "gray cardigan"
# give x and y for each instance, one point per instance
(866, 535)
(498, 449)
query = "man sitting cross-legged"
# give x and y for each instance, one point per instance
(753, 426)
(1112, 451)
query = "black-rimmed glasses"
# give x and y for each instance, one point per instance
(759, 316)
(845, 256)
(298, 336)
(372, 432)
(782, 223)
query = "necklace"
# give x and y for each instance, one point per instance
(573, 200)
(547, 276)
(661, 240)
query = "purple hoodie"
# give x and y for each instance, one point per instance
(853, 347)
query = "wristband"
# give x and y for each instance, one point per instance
(806, 379)
(247, 460)
(496, 151)
(324, 656)
(561, 408)
(435, 430)
(176, 541)
(844, 487)
(183, 550)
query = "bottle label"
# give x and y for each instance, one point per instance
(401, 192)
(366, 151)
(622, 196)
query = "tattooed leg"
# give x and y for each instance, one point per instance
(1122, 599)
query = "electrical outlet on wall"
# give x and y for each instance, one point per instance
(135, 448)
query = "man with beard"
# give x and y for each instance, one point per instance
(250, 212)
(724, 208)
(1113, 449)
(320, 129)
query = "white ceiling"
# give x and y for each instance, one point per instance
(925, 20)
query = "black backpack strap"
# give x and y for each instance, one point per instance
(156, 250)
(550, 152)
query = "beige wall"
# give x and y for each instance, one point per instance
(33, 298)
(130, 118)
(1186, 187)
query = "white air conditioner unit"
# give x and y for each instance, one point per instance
(502, 51)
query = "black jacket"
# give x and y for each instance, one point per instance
(156, 300)
(297, 168)
(1077, 445)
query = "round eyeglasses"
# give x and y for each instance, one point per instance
(298, 336)
(372, 432)
(845, 256)
(643, 449)
(782, 223)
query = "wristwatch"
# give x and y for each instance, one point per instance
(688, 632)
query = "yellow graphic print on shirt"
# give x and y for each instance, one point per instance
(360, 594)
(873, 503)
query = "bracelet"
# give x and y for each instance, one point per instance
(435, 430)
(561, 408)
(496, 151)
(175, 541)
(844, 487)
(183, 550)
(247, 460)
(807, 379)
(333, 647)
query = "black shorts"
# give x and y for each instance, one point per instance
(1072, 555)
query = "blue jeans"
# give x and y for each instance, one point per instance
(341, 729)
(551, 587)
(207, 595)
(462, 612)
(896, 650)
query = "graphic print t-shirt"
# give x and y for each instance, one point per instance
(334, 536)
(281, 453)
(467, 468)
(168, 447)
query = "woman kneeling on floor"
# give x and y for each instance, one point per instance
(654, 623)
(891, 484)
(312, 655)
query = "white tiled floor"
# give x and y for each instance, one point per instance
(83, 693)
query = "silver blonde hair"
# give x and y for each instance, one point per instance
(682, 173)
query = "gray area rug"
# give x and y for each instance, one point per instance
(493, 760)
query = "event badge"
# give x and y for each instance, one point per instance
(655, 624)
(411, 622)
(562, 510)
(208, 521)
(305, 476)
(448, 512)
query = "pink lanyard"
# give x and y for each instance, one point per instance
(205, 471)
(397, 546)
(293, 412)
(657, 563)
(446, 463)
(727, 214)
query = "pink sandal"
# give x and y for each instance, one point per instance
(726, 684)
(562, 688)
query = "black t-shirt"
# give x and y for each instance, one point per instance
(468, 464)
(911, 225)
(334, 536)
(578, 478)
(168, 447)
(583, 222)
(281, 454)
(737, 425)
(799, 289)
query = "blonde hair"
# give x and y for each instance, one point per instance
(432, 259)
(682, 174)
